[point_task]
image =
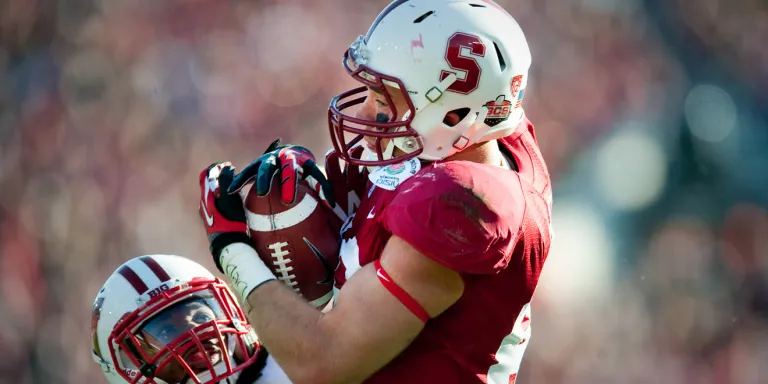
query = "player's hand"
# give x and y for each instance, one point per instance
(294, 163)
(347, 183)
(223, 214)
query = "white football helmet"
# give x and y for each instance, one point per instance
(166, 319)
(468, 57)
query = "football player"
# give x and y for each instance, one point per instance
(442, 255)
(166, 319)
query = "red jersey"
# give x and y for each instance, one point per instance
(489, 224)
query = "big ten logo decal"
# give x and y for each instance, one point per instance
(461, 54)
(153, 293)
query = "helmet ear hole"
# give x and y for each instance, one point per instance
(454, 117)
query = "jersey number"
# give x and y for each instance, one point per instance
(510, 352)
(465, 66)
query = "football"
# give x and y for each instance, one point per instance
(299, 242)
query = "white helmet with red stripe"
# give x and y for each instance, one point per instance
(167, 319)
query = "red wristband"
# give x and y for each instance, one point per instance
(399, 293)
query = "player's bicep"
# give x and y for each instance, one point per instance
(434, 286)
(376, 324)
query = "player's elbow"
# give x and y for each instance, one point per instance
(325, 368)
(316, 373)
(321, 366)
(300, 375)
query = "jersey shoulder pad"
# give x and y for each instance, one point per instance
(464, 215)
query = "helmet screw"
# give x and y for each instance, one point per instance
(148, 370)
(410, 144)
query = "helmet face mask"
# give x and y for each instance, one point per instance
(454, 68)
(382, 133)
(161, 349)
(186, 330)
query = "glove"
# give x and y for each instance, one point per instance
(348, 184)
(223, 214)
(295, 164)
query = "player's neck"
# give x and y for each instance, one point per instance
(484, 153)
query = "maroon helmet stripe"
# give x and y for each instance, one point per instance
(133, 279)
(156, 268)
(382, 15)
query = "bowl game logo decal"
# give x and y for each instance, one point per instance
(389, 177)
(395, 169)
(498, 111)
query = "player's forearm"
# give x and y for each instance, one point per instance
(320, 348)
(291, 330)
(288, 326)
(345, 345)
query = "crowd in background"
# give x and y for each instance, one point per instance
(651, 115)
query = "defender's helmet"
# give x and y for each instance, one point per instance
(167, 319)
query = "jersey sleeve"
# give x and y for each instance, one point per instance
(462, 215)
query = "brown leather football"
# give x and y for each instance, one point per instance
(299, 242)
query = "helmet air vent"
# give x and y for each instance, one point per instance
(422, 17)
(502, 63)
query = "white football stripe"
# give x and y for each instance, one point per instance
(282, 220)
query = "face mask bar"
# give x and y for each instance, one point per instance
(195, 339)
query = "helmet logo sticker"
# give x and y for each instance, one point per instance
(462, 53)
(514, 87)
(498, 111)
(417, 43)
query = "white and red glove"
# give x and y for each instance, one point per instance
(220, 214)
(223, 217)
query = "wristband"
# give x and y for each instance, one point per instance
(244, 269)
(220, 240)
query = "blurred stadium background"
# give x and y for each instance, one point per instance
(651, 115)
